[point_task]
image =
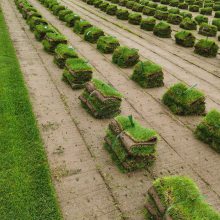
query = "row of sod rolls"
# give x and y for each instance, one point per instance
(179, 98)
(143, 5)
(77, 71)
(203, 47)
(184, 100)
(147, 74)
(175, 198)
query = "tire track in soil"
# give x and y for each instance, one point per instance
(82, 192)
(169, 160)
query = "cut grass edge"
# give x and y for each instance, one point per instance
(27, 191)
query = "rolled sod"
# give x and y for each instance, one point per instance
(57, 8)
(41, 30)
(161, 15)
(162, 29)
(174, 19)
(62, 53)
(77, 72)
(34, 21)
(185, 38)
(148, 74)
(100, 99)
(201, 19)
(130, 145)
(206, 11)
(137, 7)
(71, 19)
(63, 13)
(184, 100)
(216, 22)
(206, 48)
(103, 6)
(208, 130)
(208, 30)
(122, 14)
(81, 26)
(111, 9)
(175, 198)
(107, 44)
(148, 23)
(125, 57)
(51, 40)
(134, 18)
(188, 24)
(92, 34)
(149, 11)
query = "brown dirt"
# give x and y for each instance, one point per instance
(88, 184)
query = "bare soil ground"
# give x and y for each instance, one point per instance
(88, 184)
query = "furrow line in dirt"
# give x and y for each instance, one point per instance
(58, 130)
(148, 114)
(188, 54)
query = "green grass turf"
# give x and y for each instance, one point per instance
(137, 132)
(183, 199)
(106, 89)
(26, 190)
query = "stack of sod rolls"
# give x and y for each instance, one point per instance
(62, 53)
(162, 29)
(185, 38)
(34, 21)
(125, 57)
(41, 30)
(177, 198)
(101, 100)
(92, 34)
(80, 26)
(77, 72)
(51, 41)
(71, 19)
(130, 145)
(107, 44)
(206, 48)
(184, 100)
(209, 130)
(148, 74)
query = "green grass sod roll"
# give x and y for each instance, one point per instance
(184, 100)
(77, 72)
(208, 130)
(100, 99)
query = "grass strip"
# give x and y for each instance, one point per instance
(26, 190)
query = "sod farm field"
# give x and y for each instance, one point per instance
(110, 109)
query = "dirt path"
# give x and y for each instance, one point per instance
(81, 189)
(189, 156)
